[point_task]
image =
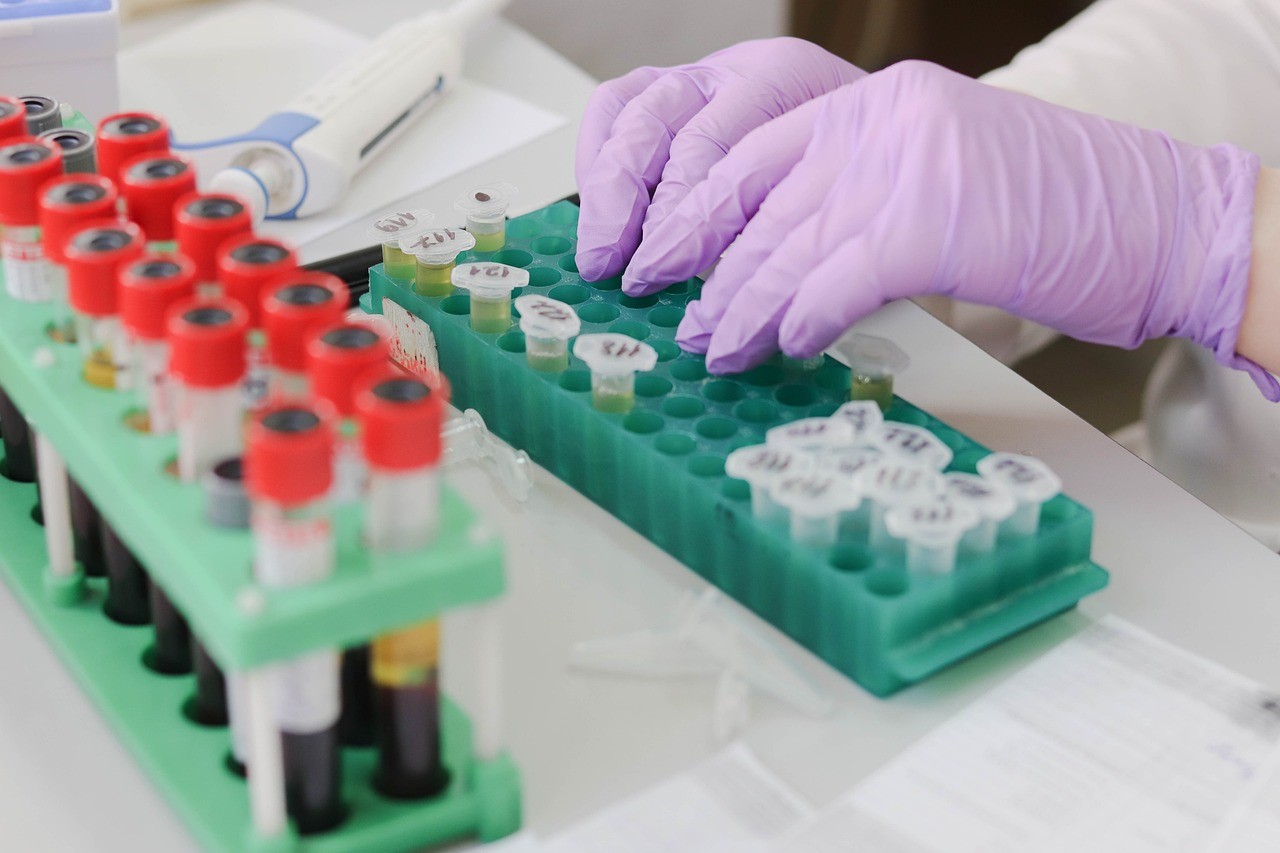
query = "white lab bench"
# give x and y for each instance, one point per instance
(1178, 570)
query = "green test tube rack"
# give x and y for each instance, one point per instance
(660, 469)
(207, 573)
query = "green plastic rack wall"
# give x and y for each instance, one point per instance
(660, 469)
(206, 571)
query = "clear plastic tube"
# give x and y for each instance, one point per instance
(26, 275)
(154, 385)
(210, 424)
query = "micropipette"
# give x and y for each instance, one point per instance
(873, 363)
(914, 444)
(932, 530)
(486, 210)
(893, 482)
(435, 252)
(389, 229)
(761, 466)
(614, 360)
(548, 325)
(993, 503)
(812, 435)
(816, 501)
(490, 285)
(1029, 480)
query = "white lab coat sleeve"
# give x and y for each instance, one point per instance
(1205, 71)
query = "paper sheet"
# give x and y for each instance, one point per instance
(230, 69)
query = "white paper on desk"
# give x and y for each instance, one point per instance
(1114, 741)
(224, 73)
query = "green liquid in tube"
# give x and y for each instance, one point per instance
(491, 242)
(549, 362)
(878, 389)
(490, 316)
(399, 265)
(613, 403)
(434, 279)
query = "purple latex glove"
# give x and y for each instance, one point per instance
(918, 181)
(656, 131)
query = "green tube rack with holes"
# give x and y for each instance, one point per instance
(207, 573)
(660, 469)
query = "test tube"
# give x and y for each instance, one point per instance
(78, 149)
(486, 210)
(42, 114)
(393, 227)
(13, 117)
(66, 203)
(865, 417)
(816, 501)
(247, 266)
(873, 362)
(435, 253)
(337, 358)
(25, 165)
(149, 288)
(894, 482)
(207, 364)
(761, 466)
(932, 529)
(993, 503)
(914, 444)
(401, 418)
(490, 285)
(293, 308)
(289, 474)
(201, 224)
(95, 255)
(548, 325)
(812, 435)
(125, 135)
(1031, 483)
(151, 185)
(614, 360)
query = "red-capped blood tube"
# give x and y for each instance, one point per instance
(295, 306)
(66, 203)
(151, 185)
(26, 164)
(149, 288)
(126, 135)
(202, 223)
(95, 254)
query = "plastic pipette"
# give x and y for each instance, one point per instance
(932, 530)
(486, 210)
(873, 363)
(614, 360)
(548, 325)
(914, 444)
(1029, 480)
(761, 466)
(816, 501)
(490, 285)
(893, 482)
(993, 503)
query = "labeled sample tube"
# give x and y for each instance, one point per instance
(401, 419)
(390, 229)
(207, 364)
(246, 266)
(865, 417)
(762, 466)
(25, 165)
(812, 435)
(151, 185)
(201, 224)
(43, 114)
(614, 360)
(894, 482)
(993, 503)
(486, 210)
(66, 204)
(873, 363)
(435, 252)
(295, 307)
(1030, 481)
(490, 285)
(914, 444)
(95, 255)
(149, 289)
(79, 149)
(816, 501)
(13, 118)
(932, 530)
(289, 467)
(337, 358)
(125, 135)
(548, 326)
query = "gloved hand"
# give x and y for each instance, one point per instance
(656, 131)
(918, 181)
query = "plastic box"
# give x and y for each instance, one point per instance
(63, 49)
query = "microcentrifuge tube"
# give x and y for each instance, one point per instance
(150, 186)
(201, 224)
(296, 306)
(486, 210)
(95, 256)
(1031, 483)
(812, 435)
(865, 417)
(149, 287)
(548, 326)
(762, 465)
(25, 166)
(993, 503)
(614, 360)
(914, 444)
(390, 229)
(126, 135)
(893, 482)
(932, 529)
(66, 204)
(873, 362)
(435, 252)
(816, 501)
(490, 285)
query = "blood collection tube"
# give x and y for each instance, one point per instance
(246, 266)
(337, 358)
(401, 419)
(151, 184)
(208, 706)
(66, 203)
(289, 473)
(149, 288)
(13, 117)
(127, 600)
(79, 149)
(295, 307)
(170, 650)
(25, 165)
(95, 254)
(126, 135)
(42, 113)
(19, 451)
(207, 363)
(202, 223)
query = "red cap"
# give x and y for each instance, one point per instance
(202, 222)
(289, 457)
(338, 356)
(207, 342)
(67, 202)
(151, 183)
(246, 264)
(125, 135)
(94, 255)
(295, 305)
(401, 419)
(26, 164)
(149, 288)
(13, 117)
